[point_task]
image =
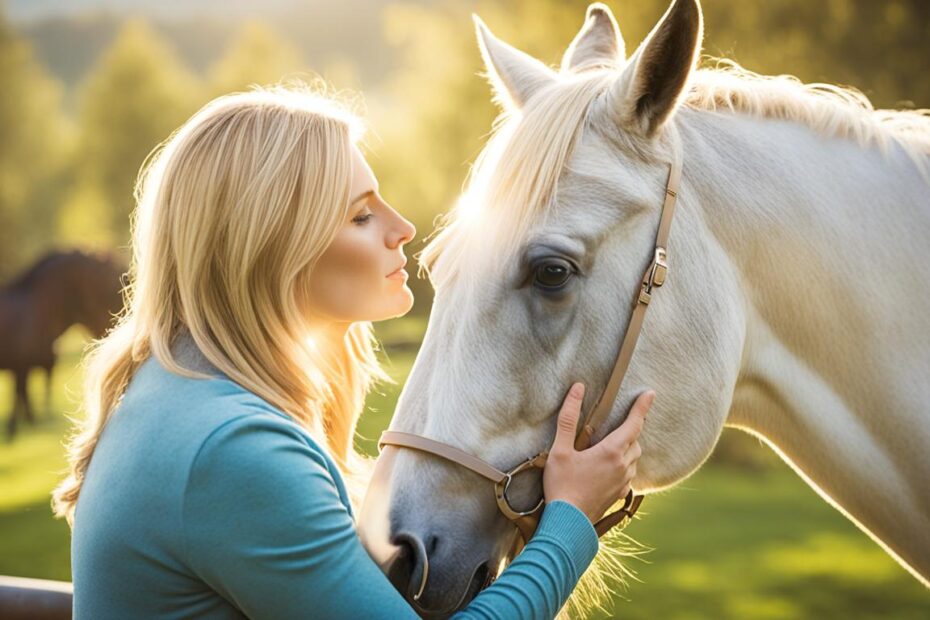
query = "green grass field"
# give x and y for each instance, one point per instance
(733, 541)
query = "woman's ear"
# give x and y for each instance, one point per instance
(650, 88)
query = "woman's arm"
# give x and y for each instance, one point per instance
(264, 526)
(538, 581)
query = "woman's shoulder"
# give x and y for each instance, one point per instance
(155, 382)
(183, 460)
(210, 412)
(188, 437)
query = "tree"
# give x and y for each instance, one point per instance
(257, 55)
(136, 95)
(31, 150)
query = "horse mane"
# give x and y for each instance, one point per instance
(827, 109)
(515, 175)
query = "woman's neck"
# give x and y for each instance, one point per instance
(328, 333)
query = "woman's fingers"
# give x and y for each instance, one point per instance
(590, 478)
(568, 419)
(629, 431)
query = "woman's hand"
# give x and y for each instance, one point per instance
(595, 478)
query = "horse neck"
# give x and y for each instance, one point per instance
(826, 239)
(54, 297)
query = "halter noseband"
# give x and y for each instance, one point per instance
(526, 521)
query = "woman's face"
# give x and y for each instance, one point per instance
(361, 276)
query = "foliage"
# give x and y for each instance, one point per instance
(31, 153)
(256, 56)
(138, 93)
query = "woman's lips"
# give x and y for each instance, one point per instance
(399, 273)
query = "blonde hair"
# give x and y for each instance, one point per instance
(233, 211)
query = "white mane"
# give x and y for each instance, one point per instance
(829, 110)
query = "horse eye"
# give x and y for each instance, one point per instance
(553, 274)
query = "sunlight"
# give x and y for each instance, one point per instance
(486, 145)
(466, 208)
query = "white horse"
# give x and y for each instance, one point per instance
(797, 306)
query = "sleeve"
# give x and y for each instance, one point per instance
(539, 580)
(265, 527)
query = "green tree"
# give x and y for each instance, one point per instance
(136, 95)
(440, 108)
(31, 151)
(257, 55)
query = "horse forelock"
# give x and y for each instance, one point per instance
(513, 182)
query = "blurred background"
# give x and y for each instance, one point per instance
(89, 87)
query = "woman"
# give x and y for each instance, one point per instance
(215, 469)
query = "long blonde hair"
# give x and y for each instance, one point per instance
(233, 210)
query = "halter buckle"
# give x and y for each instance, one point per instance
(655, 275)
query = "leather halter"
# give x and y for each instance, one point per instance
(526, 521)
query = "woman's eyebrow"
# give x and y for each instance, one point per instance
(361, 196)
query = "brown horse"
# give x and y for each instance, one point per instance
(36, 307)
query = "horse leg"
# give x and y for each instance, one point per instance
(48, 391)
(21, 380)
(14, 415)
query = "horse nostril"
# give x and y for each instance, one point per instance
(412, 565)
(480, 579)
(400, 567)
(431, 544)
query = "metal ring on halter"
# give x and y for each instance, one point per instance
(500, 488)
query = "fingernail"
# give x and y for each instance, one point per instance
(577, 389)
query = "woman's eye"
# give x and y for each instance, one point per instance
(553, 274)
(361, 219)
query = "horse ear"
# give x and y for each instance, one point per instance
(514, 75)
(598, 43)
(651, 86)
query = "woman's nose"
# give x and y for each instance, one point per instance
(402, 233)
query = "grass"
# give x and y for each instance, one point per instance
(761, 545)
(747, 541)
(32, 542)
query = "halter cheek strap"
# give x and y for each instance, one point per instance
(655, 276)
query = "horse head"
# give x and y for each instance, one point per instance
(534, 279)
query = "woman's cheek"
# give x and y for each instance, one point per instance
(361, 267)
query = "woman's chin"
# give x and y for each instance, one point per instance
(403, 302)
(407, 302)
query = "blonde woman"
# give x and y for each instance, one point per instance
(214, 476)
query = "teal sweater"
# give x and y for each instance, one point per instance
(204, 500)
